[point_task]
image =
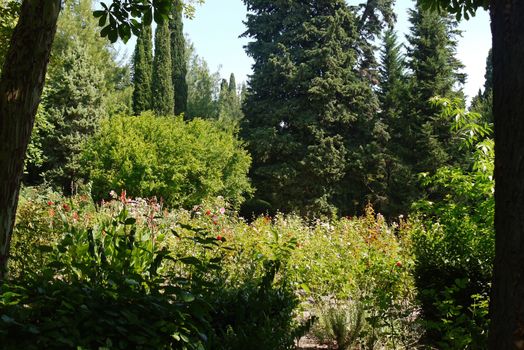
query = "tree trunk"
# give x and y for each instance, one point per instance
(20, 90)
(507, 300)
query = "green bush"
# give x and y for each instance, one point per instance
(181, 162)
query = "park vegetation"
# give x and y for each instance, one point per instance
(343, 195)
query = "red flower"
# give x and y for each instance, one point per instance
(50, 203)
(123, 196)
(66, 207)
(219, 238)
(208, 212)
(398, 264)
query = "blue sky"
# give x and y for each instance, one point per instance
(216, 28)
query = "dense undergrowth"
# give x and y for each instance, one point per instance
(128, 273)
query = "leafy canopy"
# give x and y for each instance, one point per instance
(120, 18)
(466, 8)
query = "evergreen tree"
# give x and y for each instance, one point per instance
(232, 84)
(229, 107)
(428, 142)
(483, 102)
(309, 114)
(392, 95)
(162, 83)
(178, 58)
(73, 108)
(142, 72)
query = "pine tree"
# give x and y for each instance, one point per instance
(308, 112)
(162, 83)
(142, 72)
(178, 58)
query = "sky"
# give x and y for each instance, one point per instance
(217, 25)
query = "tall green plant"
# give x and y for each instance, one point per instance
(162, 81)
(142, 72)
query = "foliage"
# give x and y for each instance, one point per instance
(83, 84)
(73, 107)
(142, 72)
(310, 116)
(202, 87)
(229, 105)
(181, 162)
(163, 94)
(455, 243)
(104, 286)
(178, 58)
(245, 286)
(8, 18)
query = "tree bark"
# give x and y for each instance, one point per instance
(507, 300)
(21, 86)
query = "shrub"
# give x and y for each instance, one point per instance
(181, 162)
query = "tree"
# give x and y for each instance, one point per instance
(162, 82)
(203, 87)
(178, 58)
(22, 82)
(435, 72)
(229, 107)
(507, 295)
(73, 108)
(393, 96)
(232, 83)
(308, 110)
(142, 72)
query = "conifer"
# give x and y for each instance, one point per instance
(162, 83)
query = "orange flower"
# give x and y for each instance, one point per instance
(51, 213)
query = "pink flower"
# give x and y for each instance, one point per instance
(222, 210)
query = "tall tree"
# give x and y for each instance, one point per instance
(178, 58)
(162, 81)
(73, 107)
(393, 96)
(142, 72)
(229, 107)
(308, 110)
(232, 83)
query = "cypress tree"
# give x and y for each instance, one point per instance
(178, 58)
(308, 112)
(162, 83)
(232, 84)
(142, 72)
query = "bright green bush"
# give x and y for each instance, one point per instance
(181, 162)
(454, 241)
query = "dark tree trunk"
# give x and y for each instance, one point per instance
(20, 90)
(507, 301)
